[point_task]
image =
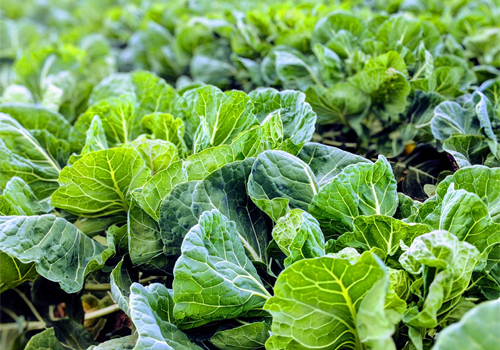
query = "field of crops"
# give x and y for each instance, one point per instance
(245, 175)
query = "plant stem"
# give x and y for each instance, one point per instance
(102, 312)
(30, 305)
(26, 325)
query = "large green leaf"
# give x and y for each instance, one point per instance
(36, 117)
(382, 232)
(200, 165)
(123, 343)
(121, 281)
(319, 304)
(450, 118)
(213, 278)
(476, 330)
(361, 189)
(297, 115)
(151, 312)
(446, 266)
(224, 190)
(120, 118)
(251, 336)
(299, 237)
(157, 154)
(19, 199)
(326, 162)
(14, 272)
(481, 181)
(152, 92)
(341, 103)
(467, 149)
(59, 250)
(165, 127)
(279, 179)
(100, 182)
(22, 155)
(215, 117)
(145, 243)
(45, 340)
(466, 216)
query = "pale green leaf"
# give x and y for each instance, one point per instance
(317, 303)
(59, 250)
(224, 190)
(213, 278)
(299, 237)
(361, 189)
(279, 175)
(250, 336)
(477, 330)
(151, 312)
(326, 162)
(99, 183)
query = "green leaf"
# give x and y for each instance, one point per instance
(157, 154)
(382, 232)
(123, 343)
(152, 92)
(481, 181)
(59, 250)
(293, 69)
(317, 303)
(476, 330)
(326, 162)
(198, 166)
(466, 216)
(383, 78)
(450, 118)
(120, 119)
(213, 278)
(340, 103)
(19, 199)
(224, 190)
(406, 207)
(335, 22)
(121, 281)
(45, 340)
(361, 189)
(467, 150)
(96, 137)
(225, 114)
(277, 175)
(165, 127)
(250, 336)
(299, 237)
(14, 272)
(57, 149)
(151, 310)
(36, 117)
(99, 183)
(23, 156)
(446, 265)
(297, 115)
(145, 243)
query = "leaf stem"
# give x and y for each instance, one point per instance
(28, 325)
(102, 312)
(30, 305)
